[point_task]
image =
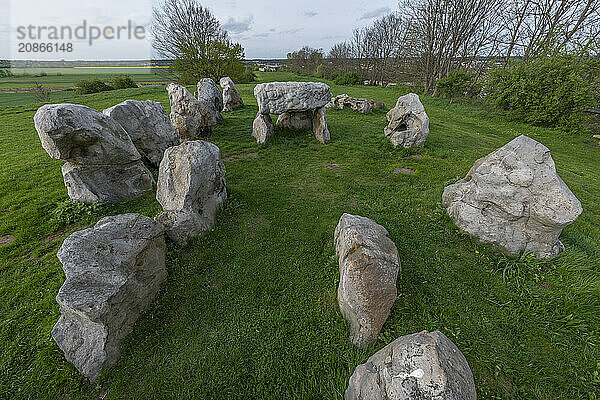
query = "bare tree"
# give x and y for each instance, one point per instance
(305, 61)
(376, 47)
(445, 34)
(533, 28)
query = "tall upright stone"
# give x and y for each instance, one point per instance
(232, 99)
(190, 188)
(369, 265)
(209, 95)
(189, 116)
(408, 123)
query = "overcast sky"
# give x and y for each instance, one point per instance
(266, 29)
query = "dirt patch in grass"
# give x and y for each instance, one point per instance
(405, 171)
(63, 233)
(593, 144)
(242, 156)
(333, 166)
(417, 156)
(42, 253)
(5, 240)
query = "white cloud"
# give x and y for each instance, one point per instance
(237, 27)
(378, 12)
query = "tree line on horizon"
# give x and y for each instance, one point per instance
(536, 59)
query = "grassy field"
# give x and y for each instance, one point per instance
(250, 310)
(16, 90)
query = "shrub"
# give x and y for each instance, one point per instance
(319, 73)
(69, 211)
(247, 76)
(91, 86)
(552, 91)
(455, 84)
(123, 82)
(41, 93)
(349, 78)
(5, 73)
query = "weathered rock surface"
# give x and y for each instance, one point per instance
(279, 97)
(345, 102)
(408, 123)
(376, 105)
(320, 126)
(369, 266)
(514, 198)
(263, 128)
(82, 135)
(113, 271)
(148, 126)
(296, 119)
(210, 96)
(231, 96)
(421, 366)
(299, 105)
(190, 188)
(102, 161)
(110, 183)
(189, 116)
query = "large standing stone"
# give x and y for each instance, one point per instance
(421, 366)
(408, 123)
(189, 116)
(113, 271)
(148, 125)
(210, 96)
(343, 102)
(369, 266)
(231, 96)
(299, 105)
(263, 128)
(190, 188)
(514, 198)
(279, 97)
(102, 161)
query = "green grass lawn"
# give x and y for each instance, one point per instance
(250, 310)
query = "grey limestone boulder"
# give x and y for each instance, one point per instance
(514, 198)
(190, 188)
(369, 265)
(231, 96)
(279, 97)
(299, 105)
(408, 123)
(211, 98)
(113, 271)
(189, 116)
(296, 119)
(345, 102)
(148, 126)
(102, 161)
(421, 366)
(263, 128)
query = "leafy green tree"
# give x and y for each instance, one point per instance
(192, 37)
(213, 60)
